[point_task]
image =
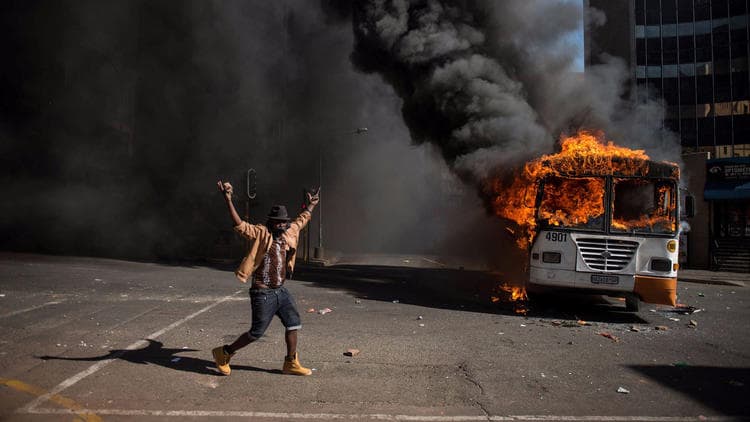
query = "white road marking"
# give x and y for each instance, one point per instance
(382, 417)
(20, 311)
(29, 407)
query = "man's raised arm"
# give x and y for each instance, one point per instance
(226, 189)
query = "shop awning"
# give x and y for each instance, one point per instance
(738, 192)
(727, 178)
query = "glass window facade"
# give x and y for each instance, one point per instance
(693, 54)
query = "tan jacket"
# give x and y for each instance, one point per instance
(260, 242)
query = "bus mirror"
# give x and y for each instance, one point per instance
(689, 206)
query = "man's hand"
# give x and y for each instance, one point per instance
(225, 188)
(313, 198)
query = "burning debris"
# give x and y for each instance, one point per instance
(516, 295)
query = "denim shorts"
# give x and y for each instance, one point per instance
(269, 302)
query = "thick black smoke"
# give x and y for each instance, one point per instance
(491, 83)
(116, 119)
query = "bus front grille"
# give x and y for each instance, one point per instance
(606, 254)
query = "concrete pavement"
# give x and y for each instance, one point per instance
(115, 340)
(443, 262)
(714, 277)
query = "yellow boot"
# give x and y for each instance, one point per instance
(292, 367)
(222, 360)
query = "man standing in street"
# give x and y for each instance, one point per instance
(271, 254)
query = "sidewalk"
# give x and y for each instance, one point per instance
(714, 277)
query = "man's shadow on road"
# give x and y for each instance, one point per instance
(156, 354)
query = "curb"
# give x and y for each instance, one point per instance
(720, 282)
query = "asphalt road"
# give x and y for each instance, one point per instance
(96, 339)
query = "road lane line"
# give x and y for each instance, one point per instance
(20, 311)
(387, 417)
(99, 365)
(69, 404)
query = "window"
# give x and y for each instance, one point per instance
(685, 10)
(722, 91)
(641, 89)
(705, 90)
(640, 51)
(702, 10)
(668, 12)
(740, 89)
(706, 132)
(669, 46)
(739, 65)
(653, 15)
(739, 43)
(687, 133)
(687, 49)
(742, 127)
(719, 9)
(671, 91)
(640, 13)
(653, 51)
(737, 7)
(721, 42)
(724, 130)
(673, 125)
(654, 86)
(572, 202)
(687, 90)
(643, 206)
(703, 48)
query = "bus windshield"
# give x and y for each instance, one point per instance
(572, 203)
(643, 206)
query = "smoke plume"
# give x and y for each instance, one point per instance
(491, 83)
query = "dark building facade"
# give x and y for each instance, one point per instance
(693, 55)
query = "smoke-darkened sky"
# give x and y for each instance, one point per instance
(117, 118)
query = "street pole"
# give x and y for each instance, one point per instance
(319, 249)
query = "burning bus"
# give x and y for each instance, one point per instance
(598, 218)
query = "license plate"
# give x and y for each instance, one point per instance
(604, 279)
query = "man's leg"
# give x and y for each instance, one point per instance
(290, 317)
(291, 343)
(263, 310)
(243, 340)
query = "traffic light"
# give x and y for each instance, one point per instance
(252, 184)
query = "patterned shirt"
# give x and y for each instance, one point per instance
(271, 273)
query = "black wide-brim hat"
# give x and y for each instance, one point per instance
(278, 213)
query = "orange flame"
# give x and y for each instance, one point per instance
(515, 294)
(573, 201)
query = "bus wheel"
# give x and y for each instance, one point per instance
(632, 303)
